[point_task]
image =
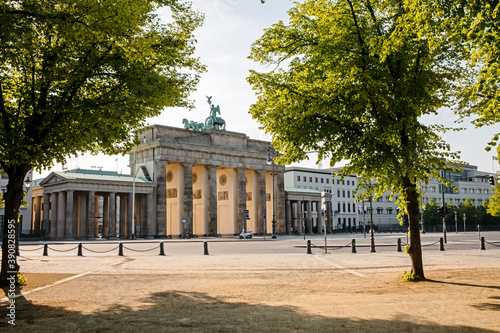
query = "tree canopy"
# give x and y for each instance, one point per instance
(473, 26)
(80, 75)
(347, 79)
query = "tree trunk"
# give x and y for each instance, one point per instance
(13, 199)
(415, 249)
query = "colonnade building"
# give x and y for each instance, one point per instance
(182, 181)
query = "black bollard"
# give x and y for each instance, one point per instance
(353, 245)
(120, 249)
(309, 247)
(205, 248)
(45, 249)
(441, 244)
(80, 250)
(162, 250)
(399, 245)
(482, 244)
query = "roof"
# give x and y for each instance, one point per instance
(111, 176)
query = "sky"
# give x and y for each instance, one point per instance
(223, 45)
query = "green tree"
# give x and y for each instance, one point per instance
(474, 27)
(430, 215)
(340, 84)
(80, 75)
(494, 203)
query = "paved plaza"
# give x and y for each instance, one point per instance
(260, 285)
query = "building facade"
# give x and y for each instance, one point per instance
(182, 182)
(340, 194)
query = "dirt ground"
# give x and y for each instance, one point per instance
(278, 300)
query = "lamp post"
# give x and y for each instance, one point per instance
(372, 239)
(456, 222)
(270, 161)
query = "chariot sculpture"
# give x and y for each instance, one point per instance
(212, 121)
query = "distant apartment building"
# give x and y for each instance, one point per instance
(470, 183)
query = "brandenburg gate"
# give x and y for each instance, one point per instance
(206, 179)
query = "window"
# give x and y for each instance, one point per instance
(472, 190)
(348, 183)
(316, 179)
(328, 180)
(478, 191)
(388, 199)
(389, 211)
(338, 207)
(304, 178)
(310, 179)
(338, 182)
(338, 193)
(486, 191)
(348, 208)
(343, 194)
(298, 178)
(322, 180)
(348, 194)
(343, 207)
(353, 208)
(380, 211)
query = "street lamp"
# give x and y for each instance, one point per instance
(270, 161)
(27, 183)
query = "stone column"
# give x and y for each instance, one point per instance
(53, 214)
(105, 217)
(61, 214)
(68, 231)
(161, 199)
(188, 197)
(300, 217)
(242, 198)
(261, 201)
(83, 231)
(96, 218)
(212, 200)
(112, 216)
(149, 225)
(38, 211)
(281, 227)
(288, 217)
(309, 217)
(123, 212)
(91, 215)
(46, 214)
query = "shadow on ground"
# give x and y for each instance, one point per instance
(177, 311)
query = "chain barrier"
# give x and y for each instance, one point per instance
(437, 242)
(64, 250)
(93, 251)
(332, 247)
(154, 248)
(497, 245)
